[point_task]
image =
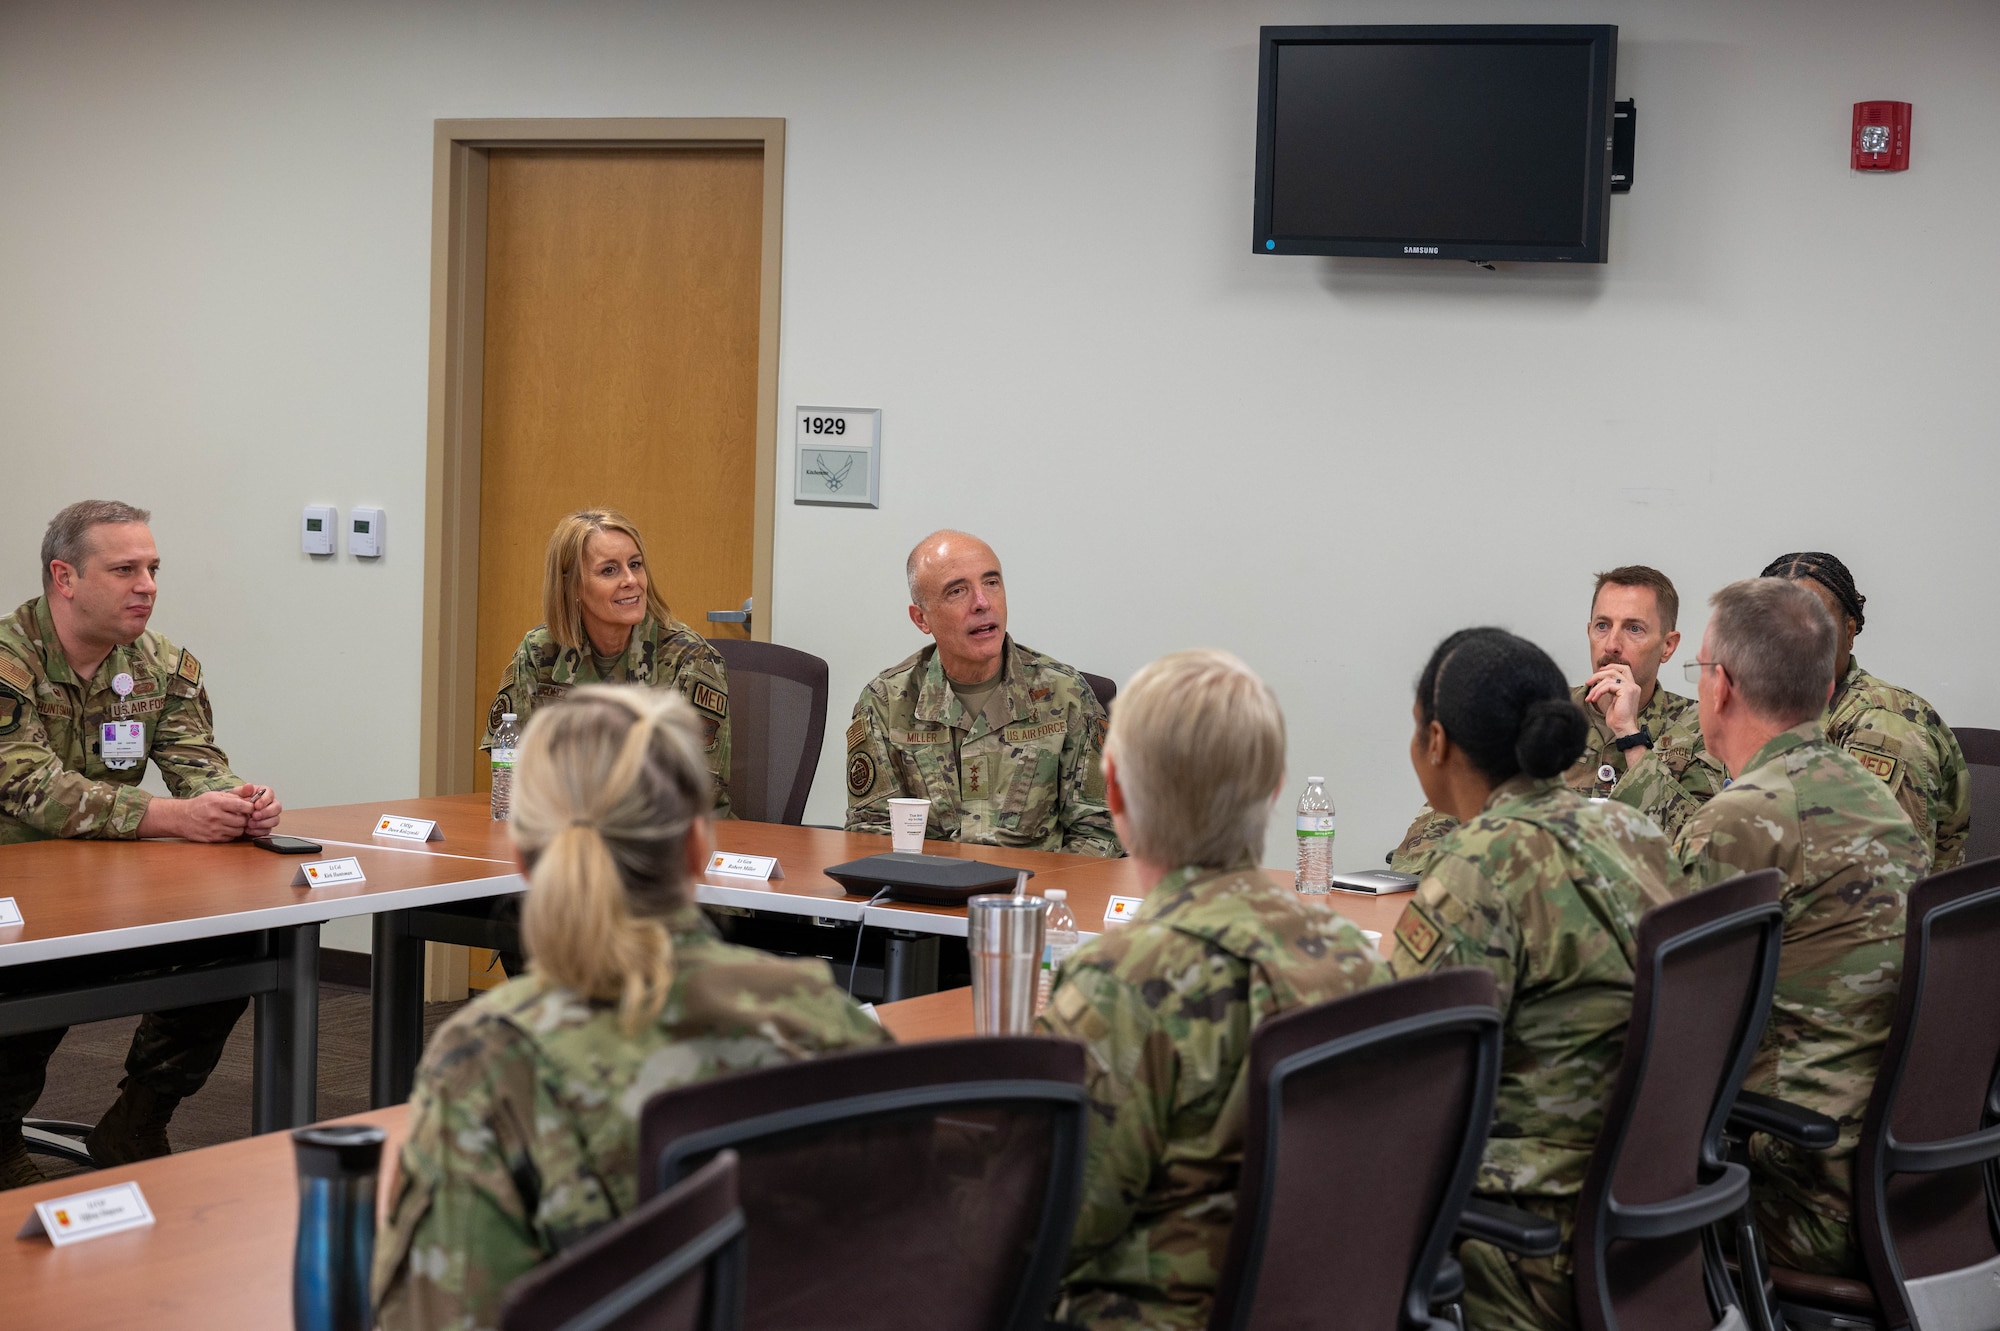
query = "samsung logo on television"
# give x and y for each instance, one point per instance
(1420, 249)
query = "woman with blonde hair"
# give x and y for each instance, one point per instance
(524, 1122)
(604, 620)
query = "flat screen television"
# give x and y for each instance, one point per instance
(1486, 141)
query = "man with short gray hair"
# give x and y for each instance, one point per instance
(1165, 1003)
(1003, 741)
(1799, 804)
(87, 698)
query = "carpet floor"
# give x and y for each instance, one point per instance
(84, 1074)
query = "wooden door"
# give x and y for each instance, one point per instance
(620, 370)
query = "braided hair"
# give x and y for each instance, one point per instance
(1504, 702)
(1828, 572)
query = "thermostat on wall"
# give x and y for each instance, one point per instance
(840, 455)
(316, 529)
(366, 530)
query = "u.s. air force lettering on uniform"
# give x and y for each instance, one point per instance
(669, 655)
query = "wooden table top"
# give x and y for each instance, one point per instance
(218, 1253)
(86, 896)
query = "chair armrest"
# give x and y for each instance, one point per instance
(1782, 1119)
(1974, 1148)
(1509, 1227)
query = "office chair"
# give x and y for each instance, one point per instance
(1105, 688)
(777, 720)
(1982, 760)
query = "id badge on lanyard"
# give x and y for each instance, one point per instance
(122, 744)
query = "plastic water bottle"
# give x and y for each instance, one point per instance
(337, 1166)
(1315, 826)
(505, 740)
(1059, 939)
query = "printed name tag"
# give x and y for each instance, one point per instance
(745, 866)
(9, 912)
(89, 1215)
(123, 739)
(1122, 909)
(320, 873)
(408, 829)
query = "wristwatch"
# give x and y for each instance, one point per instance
(1638, 739)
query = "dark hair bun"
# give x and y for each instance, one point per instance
(1552, 735)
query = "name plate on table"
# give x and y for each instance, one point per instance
(1122, 909)
(408, 829)
(9, 912)
(763, 867)
(89, 1215)
(322, 873)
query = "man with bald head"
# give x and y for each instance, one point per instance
(1004, 742)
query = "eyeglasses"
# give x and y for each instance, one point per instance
(1692, 669)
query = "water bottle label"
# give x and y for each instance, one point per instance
(503, 757)
(1315, 824)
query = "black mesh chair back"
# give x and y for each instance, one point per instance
(927, 1187)
(1645, 1257)
(674, 1264)
(1105, 689)
(1982, 760)
(1927, 1200)
(1367, 1119)
(777, 720)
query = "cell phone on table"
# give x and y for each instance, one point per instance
(287, 845)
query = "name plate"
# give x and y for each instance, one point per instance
(764, 867)
(321, 873)
(89, 1215)
(9, 912)
(1122, 909)
(407, 829)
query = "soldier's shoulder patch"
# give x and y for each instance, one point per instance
(1877, 762)
(190, 669)
(860, 773)
(16, 675)
(710, 699)
(10, 712)
(1416, 932)
(857, 733)
(501, 706)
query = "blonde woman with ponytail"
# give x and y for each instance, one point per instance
(524, 1121)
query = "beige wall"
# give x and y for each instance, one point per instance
(1023, 232)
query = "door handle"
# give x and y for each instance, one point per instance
(740, 616)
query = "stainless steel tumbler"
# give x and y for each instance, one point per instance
(1004, 936)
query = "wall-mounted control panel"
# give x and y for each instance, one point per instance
(316, 529)
(367, 528)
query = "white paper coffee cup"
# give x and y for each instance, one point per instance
(906, 825)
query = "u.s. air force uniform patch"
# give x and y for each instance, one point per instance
(1416, 932)
(1877, 762)
(860, 763)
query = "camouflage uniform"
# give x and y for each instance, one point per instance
(1544, 889)
(1850, 857)
(666, 655)
(1668, 782)
(1901, 738)
(54, 783)
(1024, 773)
(524, 1124)
(1164, 1007)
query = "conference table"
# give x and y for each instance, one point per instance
(103, 899)
(219, 1251)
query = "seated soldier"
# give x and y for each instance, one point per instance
(1165, 1004)
(604, 620)
(88, 696)
(1004, 742)
(1544, 888)
(524, 1125)
(1799, 803)
(1890, 731)
(1644, 743)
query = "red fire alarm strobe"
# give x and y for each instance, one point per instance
(1881, 139)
